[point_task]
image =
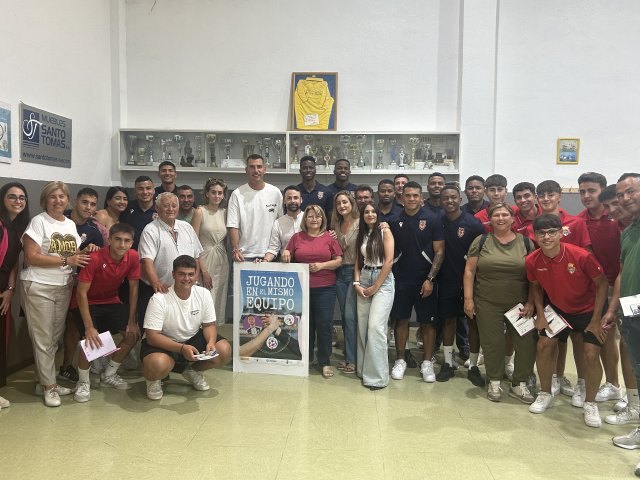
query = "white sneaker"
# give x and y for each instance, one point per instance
(522, 393)
(196, 379)
(608, 391)
(508, 371)
(98, 365)
(51, 398)
(494, 392)
(555, 385)
(4, 403)
(620, 404)
(577, 399)
(543, 401)
(624, 416)
(565, 386)
(115, 381)
(630, 441)
(591, 415)
(397, 372)
(426, 369)
(60, 390)
(154, 390)
(83, 392)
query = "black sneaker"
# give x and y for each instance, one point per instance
(446, 372)
(475, 377)
(69, 374)
(411, 362)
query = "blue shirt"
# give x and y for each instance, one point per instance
(458, 235)
(393, 214)
(414, 237)
(318, 196)
(333, 189)
(467, 207)
(88, 232)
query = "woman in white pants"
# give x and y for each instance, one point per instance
(50, 245)
(375, 288)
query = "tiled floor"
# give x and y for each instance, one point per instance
(271, 427)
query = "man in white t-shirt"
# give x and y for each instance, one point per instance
(179, 325)
(285, 226)
(253, 207)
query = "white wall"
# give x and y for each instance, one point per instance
(56, 56)
(567, 69)
(227, 65)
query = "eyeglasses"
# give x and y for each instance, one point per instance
(551, 232)
(313, 217)
(16, 198)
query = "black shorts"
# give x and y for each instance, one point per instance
(112, 317)
(181, 363)
(578, 322)
(407, 297)
(450, 301)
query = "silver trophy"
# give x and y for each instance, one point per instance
(266, 142)
(199, 158)
(345, 140)
(380, 152)
(413, 142)
(393, 153)
(178, 139)
(327, 154)
(132, 144)
(308, 140)
(296, 144)
(211, 145)
(360, 141)
(228, 142)
(247, 148)
(401, 156)
(150, 139)
(278, 146)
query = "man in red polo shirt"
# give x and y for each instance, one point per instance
(604, 233)
(576, 287)
(96, 307)
(524, 194)
(496, 188)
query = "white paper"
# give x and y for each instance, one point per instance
(555, 321)
(523, 325)
(107, 348)
(630, 305)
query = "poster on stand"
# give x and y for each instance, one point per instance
(5, 133)
(271, 318)
(45, 137)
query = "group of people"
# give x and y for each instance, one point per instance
(462, 269)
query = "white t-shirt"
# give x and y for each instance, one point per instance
(253, 213)
(180, 319)
(57, 238)
(157, 244)
(282, 231)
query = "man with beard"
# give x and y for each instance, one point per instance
(364, 196)
(435, 183)
(285, 226)
(186, 201)
(388, 208)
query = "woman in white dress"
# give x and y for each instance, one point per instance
(209, 222)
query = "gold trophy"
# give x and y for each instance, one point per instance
(392, 152)
(132, 144)
(413, 142)
(211, 145)
(296, 160)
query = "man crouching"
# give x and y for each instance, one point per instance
(179, 325)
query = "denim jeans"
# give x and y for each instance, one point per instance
(347, 303)
(322, 302)
(373, 314)
(630, 330)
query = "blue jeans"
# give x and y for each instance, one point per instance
(373, 314)
(322, 302)
(347, 302)
(630, 330)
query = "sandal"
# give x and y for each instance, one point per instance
(350, 368)
(327, 371)
(342, 365)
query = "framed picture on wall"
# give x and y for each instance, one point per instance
(314, 101)
(568, 151)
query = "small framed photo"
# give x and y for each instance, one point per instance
(568, 151)
(314, 101)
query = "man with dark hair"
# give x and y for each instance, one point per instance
(140, 211)
(167, 173)
(524, 194)
(474, 191)
(253, 207)
(496, 189)
(97, 308)
(459, 230)
(575, 284)
(313, 192)
(399, 181)
(435, 182)
(604, 233)
(285, 226)
(179, 325)
(342, 171)
(186, 201)
(419, 250)
(364, 196)
(388, 208)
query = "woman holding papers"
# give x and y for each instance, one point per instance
(51, 252)
(495, 280)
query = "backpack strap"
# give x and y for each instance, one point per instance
(483, 240)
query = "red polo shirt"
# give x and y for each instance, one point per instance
(574, 230)
(604, 232)
(106, 275)
(520, 223)
(483, 216)
(567, 278)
